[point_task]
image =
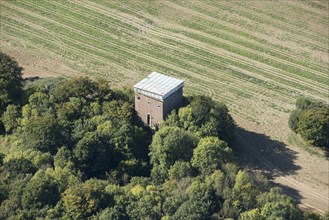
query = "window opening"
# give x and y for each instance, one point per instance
(148, 119)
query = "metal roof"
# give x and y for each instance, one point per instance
(158, 86)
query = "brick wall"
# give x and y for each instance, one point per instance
(145, 105)
(173, 102)
(157, 110)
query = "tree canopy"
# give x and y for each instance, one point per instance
(311, 121)
(10, 81)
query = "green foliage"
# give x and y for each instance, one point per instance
(212, 118)
(180, 169)
(303, 103)
(274, 195)
(326, 216)
(10, 81)
(92, 155)
(294, 119)
(245, 191)
(216, 182)
(11, 118)
(2, 156)
(313, 126)
(205, 117)
(76, 151)
(311, 216)
(111, 213)
(210, 154)
(253, 214)
(273, 205)
(169, 145)
(62, 157)
(82, 87)
(145, 203)
(281, 210)
(43, 133)
(19, 165)
(200, 204)
(311, 121)
(40, 191)
(201, 106)
(83, 200)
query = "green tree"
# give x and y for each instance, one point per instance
(293, 119)
(307, 215)
(169, 145)
(62, 157)
(172, 120)
(253, 214)
(145, 203)
(201, 202)
(205, 117)
(326, 215)
(72, 110)
(43, 133)
(193, 210)
(201, 106)
(40, 191)
(94, 156)
(173, 202)
(276, 205)
(10, 81)
(86, 199)
(111, 213)
(303, 103)
(2, 156)
(11, 118)
(274, 195)
(284, 210)
(82, 87)
(19, 165)
(40, 104)
(216, 182)
(210, 154)
(180, 169)
(313, 126)
(245, 191)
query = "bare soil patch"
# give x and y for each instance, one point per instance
(302, 175)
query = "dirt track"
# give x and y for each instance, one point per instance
(303, 176)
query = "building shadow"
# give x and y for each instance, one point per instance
(260, 152)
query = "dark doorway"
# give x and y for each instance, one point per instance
(148, 119)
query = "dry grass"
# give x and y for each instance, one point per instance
(258, 57)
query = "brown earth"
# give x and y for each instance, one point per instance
(302, 175)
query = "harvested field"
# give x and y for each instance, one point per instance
(258, 57)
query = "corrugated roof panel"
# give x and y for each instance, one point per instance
(159, 84)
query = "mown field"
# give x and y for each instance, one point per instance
(257, 57)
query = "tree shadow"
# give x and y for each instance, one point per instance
(326, 152)
(289, 191)
(260, 152)
(273, 158)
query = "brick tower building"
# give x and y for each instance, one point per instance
(156, 96)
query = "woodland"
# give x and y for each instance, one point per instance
(75, 149)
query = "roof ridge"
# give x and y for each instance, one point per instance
(158, 85)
